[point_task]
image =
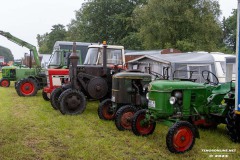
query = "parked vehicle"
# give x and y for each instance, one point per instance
(218, 63)
(93, 79)
(58, 65)
(29, 80)
(183, 105)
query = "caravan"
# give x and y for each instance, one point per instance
(181, 63)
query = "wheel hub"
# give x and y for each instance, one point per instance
(126, 120)
(73, 102)
(4, 83)
(27, 88)
(182, 138)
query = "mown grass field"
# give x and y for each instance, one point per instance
(31, 129)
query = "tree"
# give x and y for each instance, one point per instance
(187, 24)
(6, 53)
(47, 40)
(230, 30)
(109, 20)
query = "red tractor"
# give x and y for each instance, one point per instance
(55, 79)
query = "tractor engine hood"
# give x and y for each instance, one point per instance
(133, 75)
(167, 85)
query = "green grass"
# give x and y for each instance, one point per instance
(31, 129)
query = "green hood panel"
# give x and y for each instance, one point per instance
(133, 75)
(167, 85)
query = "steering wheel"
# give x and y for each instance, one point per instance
(206, 76)
(157, 75)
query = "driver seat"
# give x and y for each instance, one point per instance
(219, 92)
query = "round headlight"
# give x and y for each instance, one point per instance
(172, 100)
(147, 96)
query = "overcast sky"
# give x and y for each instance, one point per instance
(27, 18)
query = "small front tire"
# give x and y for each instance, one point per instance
(54, 98)
(180, 137)
(45, 96)
(141, 126)
(4, 82)
(105, 110)
(124, 116)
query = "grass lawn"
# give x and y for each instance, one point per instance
(31, 129)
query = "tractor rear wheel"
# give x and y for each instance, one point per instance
(180, 137)
(54, 98)
(27, 87)
(72, 102)
(140, 126)
(124, 116)
(45, 96)
(4, 82)
(105, 110)
(233, 125)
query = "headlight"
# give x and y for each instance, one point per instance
(147, 96)
(113, 98)
(172, 100)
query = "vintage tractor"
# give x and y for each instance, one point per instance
(57, 73)
(128, 94)
(183, 105)
(29, 80)
(129, 90)
(93, 79)
(55, 79)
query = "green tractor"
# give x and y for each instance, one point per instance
(184, 105)
(29, 80)
(129, 91)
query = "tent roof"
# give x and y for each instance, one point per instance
(149, 52)
(192, 57)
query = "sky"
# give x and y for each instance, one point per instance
(27, 18)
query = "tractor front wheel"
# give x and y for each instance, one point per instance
(54, 98)
(45, 96)
(124, 116)
(141, 126)
(180, 137)
(105, 110)
(27, 87)
(72, 102)
(4, 82)
(233, 125)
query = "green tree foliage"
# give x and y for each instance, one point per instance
(230, 30)
(8, 56)
(47, 40)
(187, 24)
(109, 20)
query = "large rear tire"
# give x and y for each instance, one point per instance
(72, 102)
(4, 82)
(180, 137)
(140, 126)
(27, 87)
(54, 98)
(233, 125)
(124, 116)
(105, 110)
